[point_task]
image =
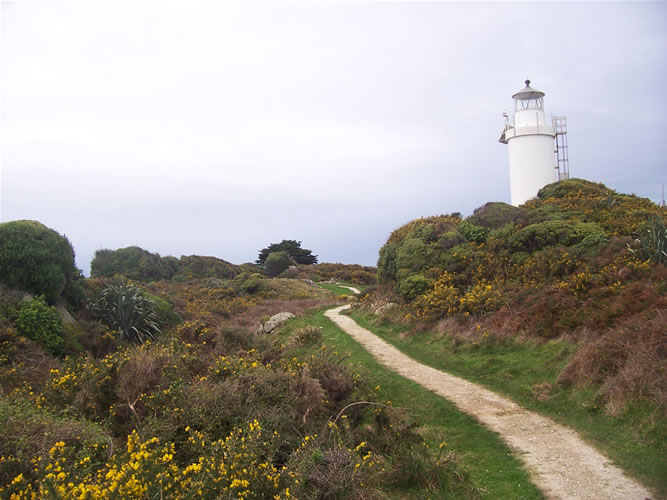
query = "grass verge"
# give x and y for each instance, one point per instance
(527, 372)
(481, 453)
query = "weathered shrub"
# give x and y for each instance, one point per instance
(35, 258)
(41, 323)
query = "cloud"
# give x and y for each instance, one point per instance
(217, 128)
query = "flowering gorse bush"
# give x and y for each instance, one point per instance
(576, 243)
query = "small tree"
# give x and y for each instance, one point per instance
(292, 248)
(277, 262)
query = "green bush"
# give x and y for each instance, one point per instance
(164, 311)
(494, 215)
(450, 239)
(41, 323)
(411, 256)
(291, 248)
(277, 262)
(195, 266)
(387, 263)
(133, 262)
(126, 308)
(413, 286)
(472, 232)
(537, 236)
(653, 241)
(35, 258)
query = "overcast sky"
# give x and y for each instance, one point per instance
(218, 128)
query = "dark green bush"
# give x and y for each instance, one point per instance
(472, 232)
(40, 322)
(35, 258)
(277, 262)
(494, 215)
(450, 239)
(133, 262)
(291, 248)
(544, 234)
(387, 263)
(195, 266)
(411, 257)
(413, 286)
(164, 311)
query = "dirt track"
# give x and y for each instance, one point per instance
(561, 464)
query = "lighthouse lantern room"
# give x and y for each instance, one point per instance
(534, 155)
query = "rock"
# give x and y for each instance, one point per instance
(274, 321)
(380, 308)
(65, 315)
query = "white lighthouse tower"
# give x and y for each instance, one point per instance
(535, 158)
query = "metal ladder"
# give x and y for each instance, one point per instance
(560, 150)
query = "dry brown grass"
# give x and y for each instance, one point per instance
(627, 361)
(251, 319)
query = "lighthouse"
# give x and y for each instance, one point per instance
(537, 148)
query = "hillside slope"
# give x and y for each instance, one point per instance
(580, 260)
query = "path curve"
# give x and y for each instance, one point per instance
(560, 463)
(355, 291)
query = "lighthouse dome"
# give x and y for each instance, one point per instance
(527, 93)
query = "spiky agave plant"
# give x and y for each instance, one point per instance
(652, 242)
(124, 307)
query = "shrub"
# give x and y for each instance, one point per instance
(411, 257)
(442, 300)
(450, 239)
(653, 241)
(41, 323)
(277, 262)
(494, 215)
(133, 262)
(125, 308)
(195, 266)
(472, 232)
(413, 286)
(291, 248)
(307, 335)
(35, 258)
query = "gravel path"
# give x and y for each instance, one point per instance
(561, 464)
(354, 290)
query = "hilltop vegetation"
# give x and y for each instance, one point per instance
(579, 260)
(160, 387)
(138, 264)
